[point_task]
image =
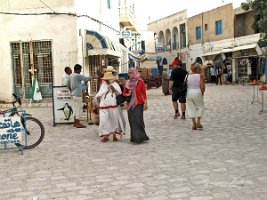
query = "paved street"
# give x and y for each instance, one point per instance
(225, 161)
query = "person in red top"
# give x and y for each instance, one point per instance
(136, 89)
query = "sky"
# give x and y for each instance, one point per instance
(156, 9)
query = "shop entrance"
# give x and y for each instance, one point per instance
(248, 68)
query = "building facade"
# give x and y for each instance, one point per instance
(39, 40)
(170, 35)
(130, 35)
(223, 37)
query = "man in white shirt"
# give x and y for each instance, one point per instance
(65, 77)
(213, 74)
(75, 85)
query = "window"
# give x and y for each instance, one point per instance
(175, 45)
(198, 32)
(143, 45)
(109, 4)
(182, 36)
(218, 25)
(206, 27)
(42, 67)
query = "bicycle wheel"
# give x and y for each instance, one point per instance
(35, 133)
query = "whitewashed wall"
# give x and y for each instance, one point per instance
(62, 30)
(23, 28)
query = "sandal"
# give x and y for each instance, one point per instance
(176, 115)
(119, 133)
(104, 139)
(199, 126)
(194, 127)
(115, 139)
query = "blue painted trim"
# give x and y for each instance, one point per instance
(101, 38)
(89, 45)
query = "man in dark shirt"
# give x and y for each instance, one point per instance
(176, 90)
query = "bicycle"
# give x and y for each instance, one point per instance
(34, 130)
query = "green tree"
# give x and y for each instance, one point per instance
(260, 21)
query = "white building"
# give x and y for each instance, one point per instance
(171, 38)
(39, 40)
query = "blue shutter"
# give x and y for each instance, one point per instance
(218, 25)
(198, 33)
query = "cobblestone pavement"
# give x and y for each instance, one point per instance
(225, 161)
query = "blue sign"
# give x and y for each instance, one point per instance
(126, 34)
(10, 130)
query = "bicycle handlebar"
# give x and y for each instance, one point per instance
(17, 99)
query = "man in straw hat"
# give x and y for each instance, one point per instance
(111, 122)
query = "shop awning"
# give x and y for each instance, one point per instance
(97, 44)
(233, 49)
(131, 55)
(149, 64)
(210, 53)
(249, 46)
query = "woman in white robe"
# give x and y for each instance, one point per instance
(111, 121)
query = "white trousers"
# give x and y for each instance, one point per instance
(195, 104)
(77, 106)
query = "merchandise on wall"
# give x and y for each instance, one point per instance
(248, 68)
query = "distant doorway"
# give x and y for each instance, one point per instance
(199, 61)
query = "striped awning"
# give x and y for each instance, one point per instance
(97, 44)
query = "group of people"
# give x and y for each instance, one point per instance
(112, 121)
(133, 91)
(189, 90)
(111, 116)
(219, 75)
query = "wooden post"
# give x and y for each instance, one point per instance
(22, 70)
(31, 61)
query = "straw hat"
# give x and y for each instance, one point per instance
(110, 69)
(108, 76)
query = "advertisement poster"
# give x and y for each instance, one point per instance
(10, 130)
(62, 105)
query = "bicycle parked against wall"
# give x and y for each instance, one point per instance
(33, 128)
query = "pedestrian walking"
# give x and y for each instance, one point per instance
(213, 74)
(176, 90)
(165, 82)
(111, 120)
(135, 87)
(195, 95)
(219, 75)
(75, 84)
(225, 74)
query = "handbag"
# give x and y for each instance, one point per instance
(184, 88)
(128, 98)
(120, 99)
